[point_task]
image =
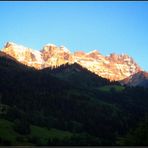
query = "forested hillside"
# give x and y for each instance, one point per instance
(70, 102)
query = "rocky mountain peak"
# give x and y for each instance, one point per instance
(8, 44)
(49, 47)
(64, 49)
(23, 54)
(93, 52)
(79, 53)
(14, 46)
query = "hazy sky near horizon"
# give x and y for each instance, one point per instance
(109, 27)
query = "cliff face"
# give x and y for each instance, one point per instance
(24, 55)
(54, 56)
(112, 67)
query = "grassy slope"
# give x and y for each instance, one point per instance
(44, 134)
(6, 130)
(7, 133)
(108, 88)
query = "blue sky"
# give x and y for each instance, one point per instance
(109, 27)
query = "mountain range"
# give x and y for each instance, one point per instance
(67, 104)
(113, 67)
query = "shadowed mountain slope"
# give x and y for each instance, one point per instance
(138, 79)
(79, 76)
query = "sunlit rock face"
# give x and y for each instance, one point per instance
(24, 55)
(113, 67)
(54, 56)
